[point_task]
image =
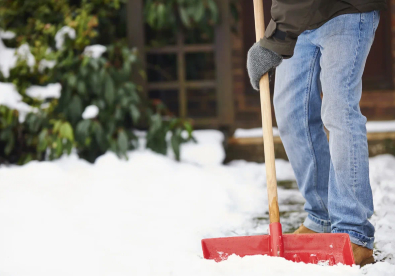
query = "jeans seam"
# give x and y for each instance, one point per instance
(322, 222)
(316, 224)
(311, 148)
(353, 142)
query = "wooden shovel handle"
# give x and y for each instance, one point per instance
(267, 126)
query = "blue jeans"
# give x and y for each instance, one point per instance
(332, 176)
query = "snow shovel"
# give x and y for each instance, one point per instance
(308, 248)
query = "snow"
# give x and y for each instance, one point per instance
(206, 151)
(371, 126)
(380, 126)
(382, 171)
(94, 51)
(12, 99)
(44, 92)
(6, 34)
(253, 132)
(90, 112)
(59, 37)
(147, 215)
(9, 56)
(23, 52)
(9, 96)
(46, 64)
(7, 59)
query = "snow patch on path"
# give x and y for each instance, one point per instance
(380, 126)
(371, 126)
(253, 132)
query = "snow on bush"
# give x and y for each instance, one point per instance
(44, 92)
(46, 64)
(6, 34)
(9, 56)
(23, 52)
(90, 112)
(60, 36)
(94, 51)
(7, 59)
(13, 100)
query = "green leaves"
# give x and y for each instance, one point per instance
(176, 141)
(199, 12)
(72, 80)
(160, 14)
(122, 142)
(156, 136)
(10, 144)
(109, 90)
(42, 140)
(159, 130)
(185, 17)
(57, 140)
(66, 132)
(81, 87)
(82, 130)
(134, 113)
(177, 127)
(212, 7)
(73, 109)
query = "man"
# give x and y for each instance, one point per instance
(324, 44)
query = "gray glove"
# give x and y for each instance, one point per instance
(259, 61)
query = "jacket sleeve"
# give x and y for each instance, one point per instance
(289, 19)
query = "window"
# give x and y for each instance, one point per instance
(189, 71)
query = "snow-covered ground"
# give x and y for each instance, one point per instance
(147, 215)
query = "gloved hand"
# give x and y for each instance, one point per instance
(259, 61)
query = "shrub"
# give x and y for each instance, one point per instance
(162, 14)
(56, 125)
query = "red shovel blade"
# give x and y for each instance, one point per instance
(307, 248)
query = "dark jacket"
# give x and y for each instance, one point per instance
(292, 17)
